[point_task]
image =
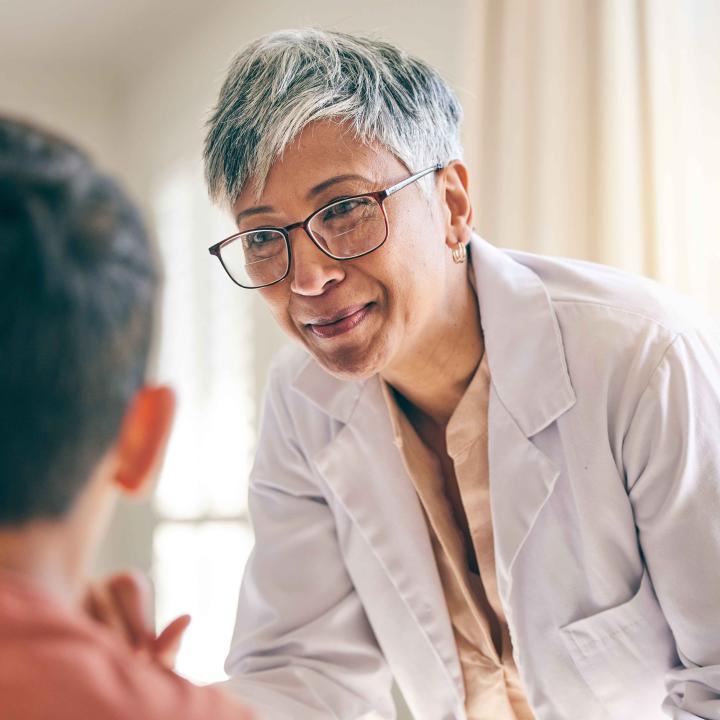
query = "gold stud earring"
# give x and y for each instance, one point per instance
(459, 253)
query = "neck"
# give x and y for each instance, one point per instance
(38, 552)
(435, 374)
(56, 554)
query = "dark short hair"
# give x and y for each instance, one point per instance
(77, 289)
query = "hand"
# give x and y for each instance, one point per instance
(121, 603)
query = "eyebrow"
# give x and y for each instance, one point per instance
(332, 181)
(313, 192)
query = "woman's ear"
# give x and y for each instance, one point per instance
(143, 436)
(459, 212)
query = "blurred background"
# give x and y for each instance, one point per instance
(592, 130)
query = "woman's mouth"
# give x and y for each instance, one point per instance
(341, 322)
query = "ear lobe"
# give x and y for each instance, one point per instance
(143, 436)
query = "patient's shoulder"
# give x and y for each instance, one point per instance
(56, 663)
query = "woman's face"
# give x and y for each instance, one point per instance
(357, 317)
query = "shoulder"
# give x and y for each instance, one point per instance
(70, 670)
(592, 291)
(609, 316)
(618, 328)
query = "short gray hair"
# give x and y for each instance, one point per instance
(283, 81)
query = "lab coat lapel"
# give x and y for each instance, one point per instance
(364, 469)
(521, 480)
(530, 389)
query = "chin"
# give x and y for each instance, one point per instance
(352, 362)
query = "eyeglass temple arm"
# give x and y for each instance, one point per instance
(404, 183)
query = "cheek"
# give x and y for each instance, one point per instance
(417, 253)
(417, 237)
(409, 296)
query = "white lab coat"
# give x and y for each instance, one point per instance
(604, 456)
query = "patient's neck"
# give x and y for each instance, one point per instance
(56, 554)
(38, 551)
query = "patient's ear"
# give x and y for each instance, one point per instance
(143, 435)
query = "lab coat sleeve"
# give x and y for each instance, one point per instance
(302, 646)
(671, 454)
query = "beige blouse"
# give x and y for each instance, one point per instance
(493, 690)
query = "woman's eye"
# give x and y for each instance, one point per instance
(342, 208)
(262, 238)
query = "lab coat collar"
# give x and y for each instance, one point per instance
(522, 340)
(333, 396)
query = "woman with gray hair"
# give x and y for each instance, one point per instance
(490, 475)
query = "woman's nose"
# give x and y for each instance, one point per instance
(311, 271)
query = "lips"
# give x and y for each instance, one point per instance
(339, 322)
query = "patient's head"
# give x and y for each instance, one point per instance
(77, 286)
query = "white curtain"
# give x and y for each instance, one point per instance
(593, 131)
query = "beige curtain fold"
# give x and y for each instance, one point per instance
(593, 131)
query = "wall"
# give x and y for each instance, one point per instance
(76, 99)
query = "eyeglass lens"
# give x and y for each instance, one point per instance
(345, 229)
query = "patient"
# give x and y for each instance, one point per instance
(77, 426)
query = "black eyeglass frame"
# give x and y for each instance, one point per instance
(379, 196)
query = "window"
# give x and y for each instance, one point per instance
(202, 537)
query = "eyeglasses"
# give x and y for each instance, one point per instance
(343, 229)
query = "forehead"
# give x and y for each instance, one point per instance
(322, 150)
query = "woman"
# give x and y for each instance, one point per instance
(491, 475)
